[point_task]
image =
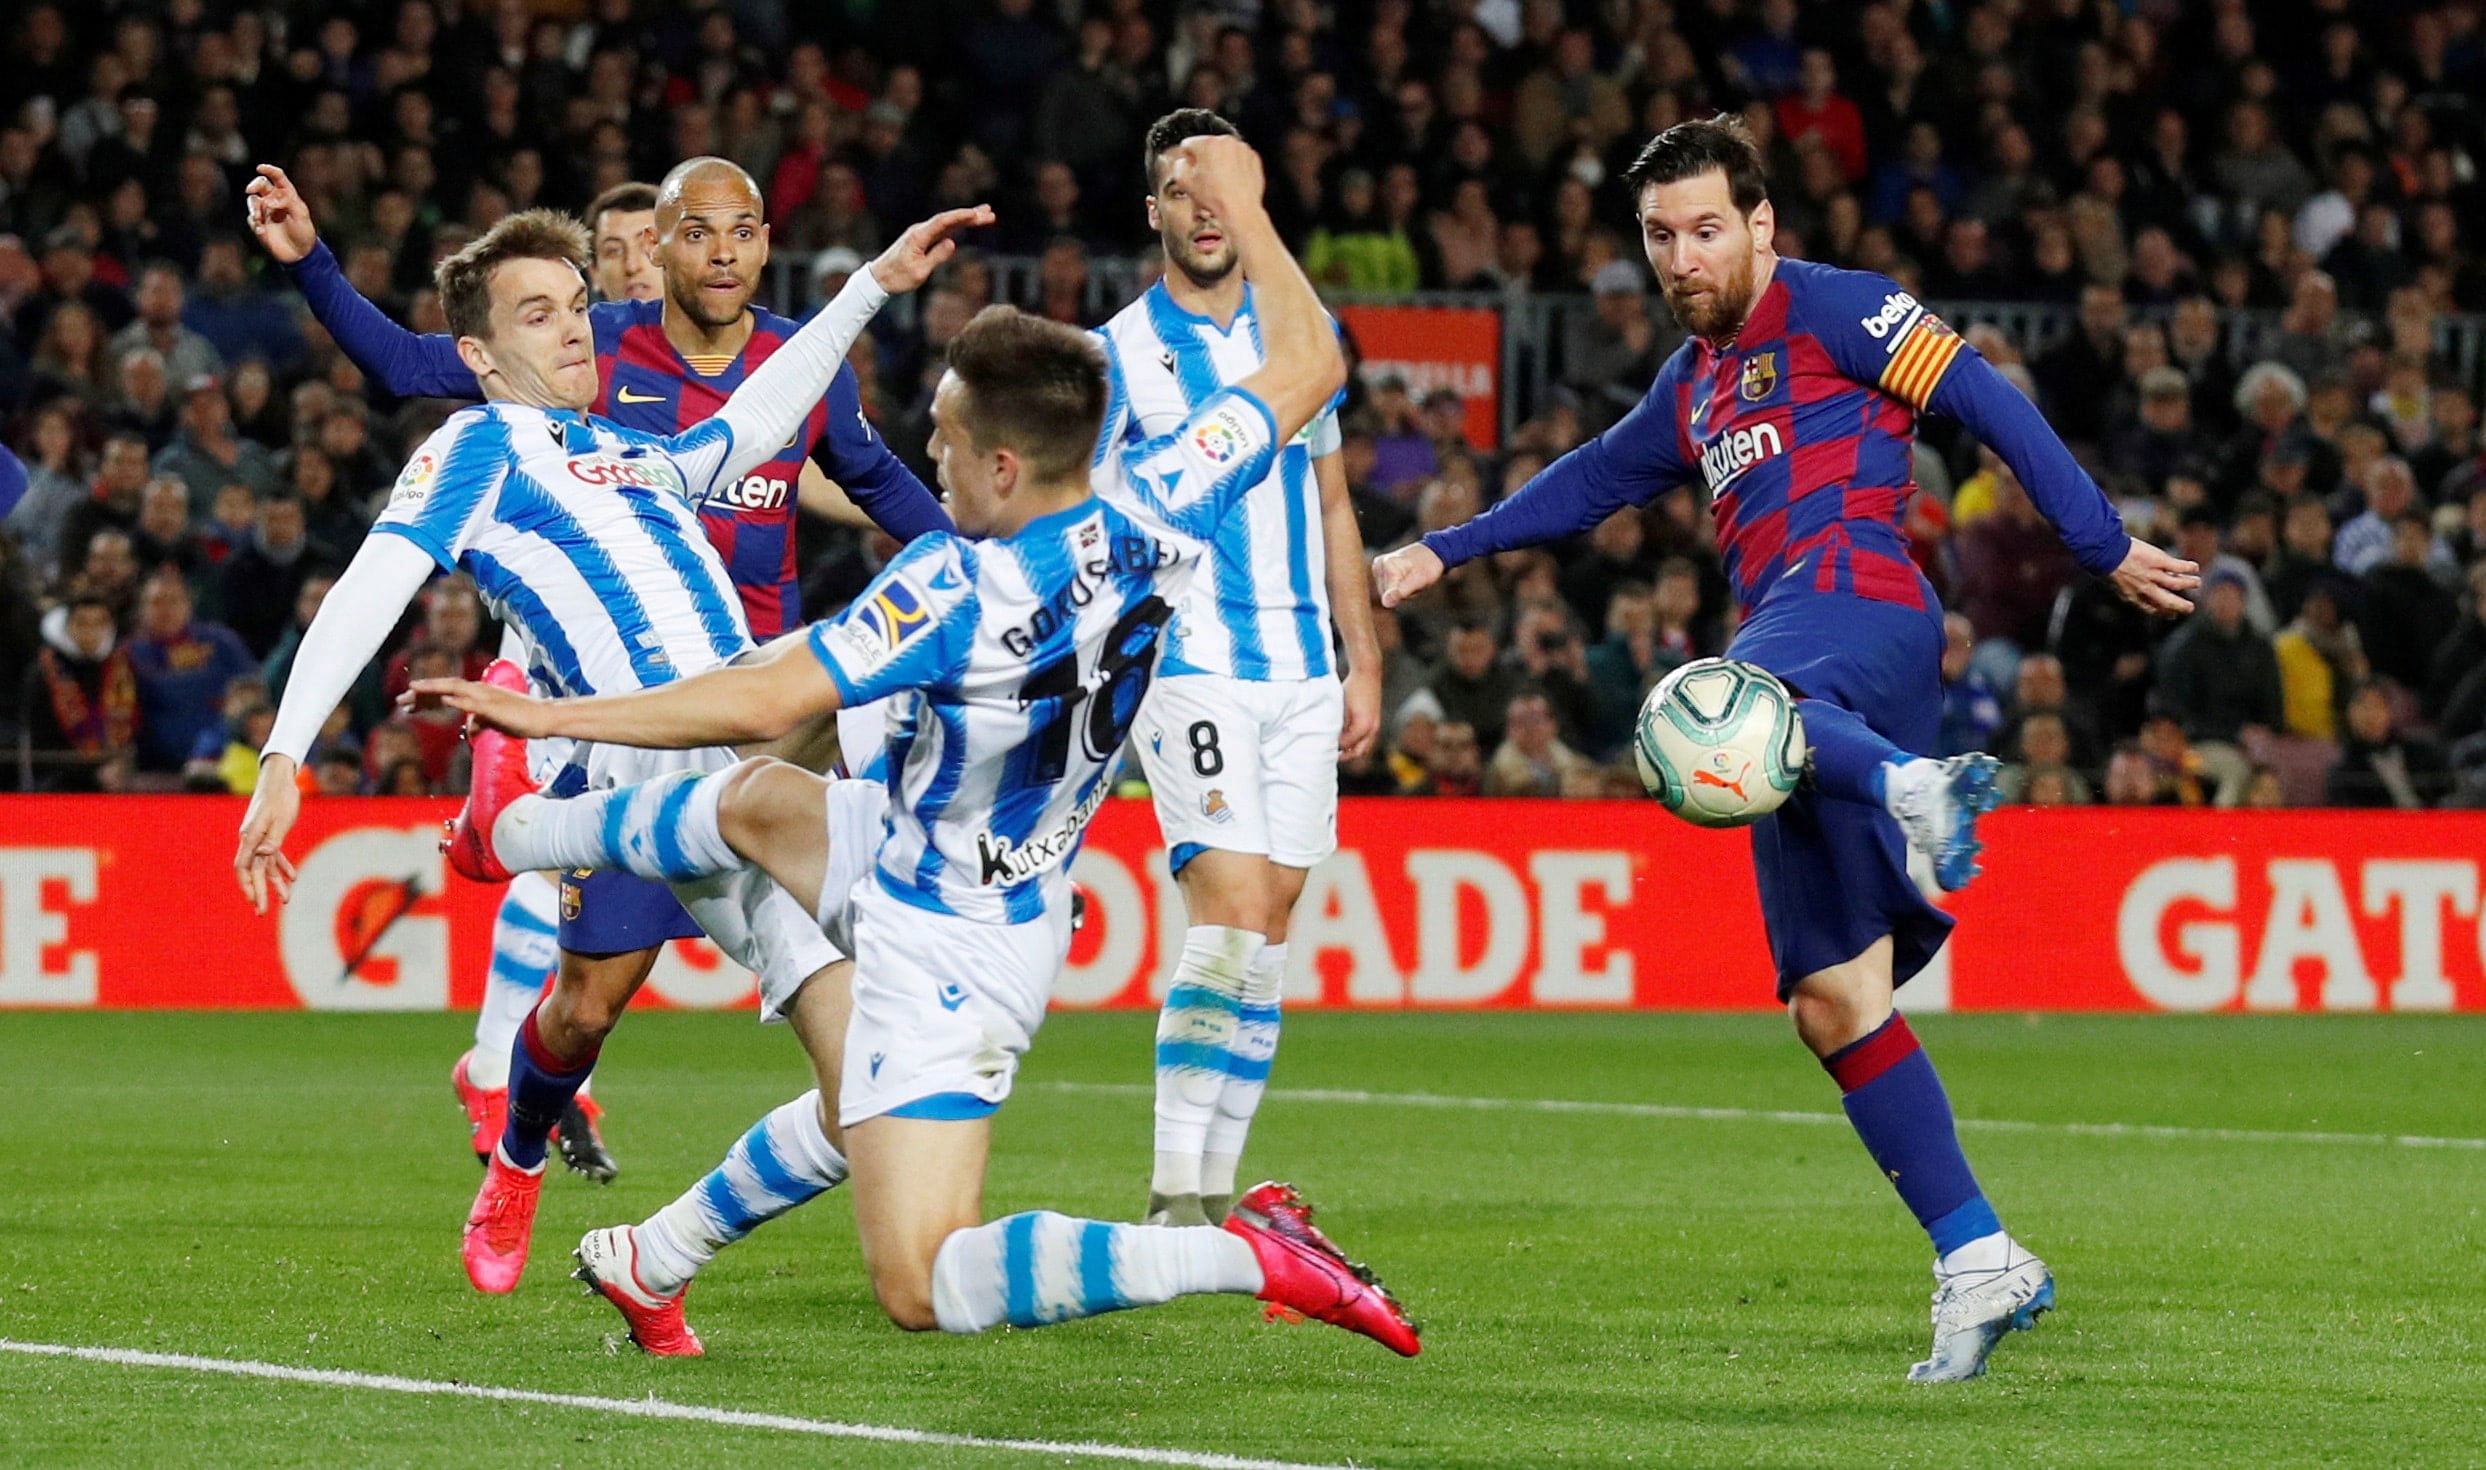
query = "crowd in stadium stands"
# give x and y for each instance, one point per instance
(203, 460)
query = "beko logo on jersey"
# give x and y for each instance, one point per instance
(1899, 310)
(751, 492)
(1736, 451)
(1127, 554)
(604, 470)
(1002, 861)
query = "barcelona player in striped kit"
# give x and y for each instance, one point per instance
(1794, 403)
(667, 358)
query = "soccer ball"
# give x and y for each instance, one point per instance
(1719, 742)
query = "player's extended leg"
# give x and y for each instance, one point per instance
(919, 1186)
(556, 1048)
(1936, 802)
(788, 1158)
(680, 827)
(525, 948)
(1988, 1283)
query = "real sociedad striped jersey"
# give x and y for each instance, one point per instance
(584, 536)
(1015, 666)
(1259, 609)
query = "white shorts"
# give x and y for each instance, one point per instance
(757, 924)
(944, 1007)
(857, 815)
(1243, 766)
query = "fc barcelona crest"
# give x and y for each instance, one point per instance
(1760, 377)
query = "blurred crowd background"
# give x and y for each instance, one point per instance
(2228, 247)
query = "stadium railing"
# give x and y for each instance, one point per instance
(1536, 325)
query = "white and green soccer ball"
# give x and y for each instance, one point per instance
(1719, 742)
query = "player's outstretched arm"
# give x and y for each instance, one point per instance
(1971, 391)
(357, 616)
(1626, 465)
(1350, 605)
(1301, 368)
(405, 363)
(769, 408)
(758, 699)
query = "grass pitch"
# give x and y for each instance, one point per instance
(1597, 1287)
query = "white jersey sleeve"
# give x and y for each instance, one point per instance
(912, 628)
(446, 493)
(1185, 482)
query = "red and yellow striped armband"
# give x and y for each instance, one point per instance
(1917, 364)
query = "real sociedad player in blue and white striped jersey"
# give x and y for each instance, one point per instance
(585, 536)
(1018, 659)
(1241, 736)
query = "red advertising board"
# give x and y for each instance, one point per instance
(1429, 347)
(129, 902)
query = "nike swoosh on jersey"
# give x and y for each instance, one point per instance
(624, 395)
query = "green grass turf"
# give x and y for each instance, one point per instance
(1596, 1289)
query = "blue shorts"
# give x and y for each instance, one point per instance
(614, 912)
(1833, 874)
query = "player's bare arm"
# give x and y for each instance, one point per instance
(1301, 367)
(761, 698)
(1350, 605)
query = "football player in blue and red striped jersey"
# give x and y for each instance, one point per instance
(1795, 403)
(666, 359)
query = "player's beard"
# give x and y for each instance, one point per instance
(1718, 312)
(702, 308)
(1199, 271)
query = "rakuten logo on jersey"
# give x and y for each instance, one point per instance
(1736, 451)
(751, 492)
(603, 469)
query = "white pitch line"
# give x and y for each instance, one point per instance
(651, 1408)
(1788, 1115)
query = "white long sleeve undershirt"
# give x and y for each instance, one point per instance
(354, 620)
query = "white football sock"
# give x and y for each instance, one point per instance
(1195, 1033)
(525, 947)
(665, 829)
(1038, 1268)
(1255, 1046)
(1985, 1253)
(785, 1160)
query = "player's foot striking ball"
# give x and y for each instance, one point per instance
(1794, 402)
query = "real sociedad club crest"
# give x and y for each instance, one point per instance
(1760, 377)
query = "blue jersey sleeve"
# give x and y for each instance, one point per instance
(405, 363)
(910, 629)
(860, 461)
(12, 480)
(1629, 464)
(1883, 337)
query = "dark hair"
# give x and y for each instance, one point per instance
(1689, 149)
(1034, 385)
(464, 280)
(1178, 126)
(630, 198)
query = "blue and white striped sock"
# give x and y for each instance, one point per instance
(526, 944)
(1039, 1268)
(664, 829)
(785, 1160)
(1195, 1039)
(1248, 1058)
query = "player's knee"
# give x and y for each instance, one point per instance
(742, 806)
(904, 1291)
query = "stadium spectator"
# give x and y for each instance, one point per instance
(1546, 644)
(453, 626)
(1473, 685)
(2407, 607)
(206, 453)
(1612, 355)
(162, 536)
(242, 320)
(2218, 680)
(1971, 712)
(80, 697)
(2379, 766)
(2320, 660)
(1457, 767)
(186, 354)
(69, 360)
(183, 666)
(260, 582)
(1532, 759)
(58, 477)
(2011, 568)
(2388, 493)
(112, 504)
(2040, 689)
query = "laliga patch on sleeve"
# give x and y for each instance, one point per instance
(884, 622)
(1224, 435)
(414, 484)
